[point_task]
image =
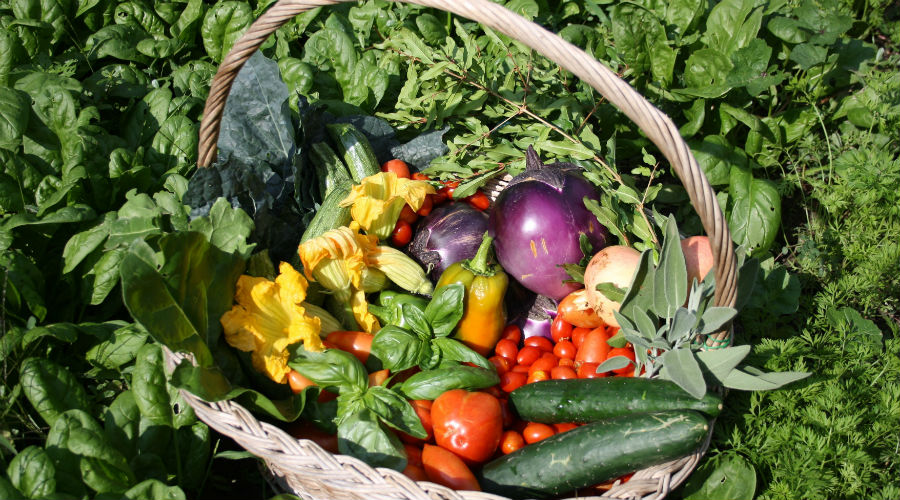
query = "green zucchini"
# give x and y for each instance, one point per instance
(330, 170)
(594, 453)
(586, 400)
(356, 150)
(331, 215)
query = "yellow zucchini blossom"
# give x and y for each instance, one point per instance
(377, 201)
(341, 258)
(268, 317)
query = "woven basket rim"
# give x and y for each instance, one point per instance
(302, 466)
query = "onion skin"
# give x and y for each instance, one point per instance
(449, 234)
(536, 222)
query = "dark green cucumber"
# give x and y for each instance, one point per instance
(330, 170)
(594, 453)
(586, 400)
(331, 214)
(356, 150)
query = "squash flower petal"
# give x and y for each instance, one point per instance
(377, 201)
(268, 317)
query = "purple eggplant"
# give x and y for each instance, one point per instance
(448, 234)
(531, 312)
(536, 223)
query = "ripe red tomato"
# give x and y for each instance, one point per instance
(443, 467)
(426, 207)
(535, 432)
(358, 344)
(628, 353)
(563, 427)
(512, 380)
(512, 332)
(423, 410)
(413, 454)
(589, 370)
(507, 348)
(298, 382)
(545, 363)
(402, 234)
(479, 201)
(527, 355)
(563, 373)
(564, 349)
(419, 176)
(573, 309)
(578, 336)
(467, 423)
(537, 376)
(566, 362)
(415, 472)
(398, 167)
(560, 330)
(542, 343)
(408, 215)
(511, 441)
(500, 363)
(594, 348)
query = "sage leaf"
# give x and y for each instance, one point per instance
(680, 366)
(751, 379)
(613, 363)
(715, 318)
(718, 363)
(670, 277)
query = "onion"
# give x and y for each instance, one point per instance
(616, 265)
(536, 223)
(448, 234)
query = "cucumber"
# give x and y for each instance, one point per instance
(586, 400)
(594, 453)
(356, 150)
(330, 170)
(331, 214)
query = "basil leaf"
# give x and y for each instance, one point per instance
(446, 309)
(432, 383)
(398, 349)
(331, 368)
(415, 319)
(394, 411)
(361, 435)
(454, 350)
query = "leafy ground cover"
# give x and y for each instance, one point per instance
(791, 108)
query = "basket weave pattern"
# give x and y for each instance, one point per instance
(304, 468)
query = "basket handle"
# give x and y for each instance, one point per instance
(653, 122)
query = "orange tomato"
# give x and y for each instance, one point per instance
(398, 167)
(511, 441)
(575, 310)
(358, 344)
(443, 467)
(535, 432)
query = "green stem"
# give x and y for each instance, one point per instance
(479, 263)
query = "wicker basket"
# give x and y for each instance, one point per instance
(301, 466)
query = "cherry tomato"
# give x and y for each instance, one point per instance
(419, 176)
(537, 376)
(566, 362)
(564, 349)
(542, 343)
(560, 330)
(535, 432)
(578, 336)
(426, 207)
(512, 380)
(527, 355)
(496, 392)
(450, 184)
(512, 332)
(628, 353)
(423, 410)
(439, 198)
(413, 454)
(415, 472)
(479, 201)
(358, 344)
(543, 364)
(298, 382)
(508, 416)
(304, 429)
(594, 348)
(520, 369)
(563, 427)
(589, 370)
(408, 215)
(402, 234)
(511, 441)
(467, 423)
(398, 167)
(562, 373)
(507, 348)
(443, 467)
(378, 377)
(573, 309)
(500, 363)
(446, 192)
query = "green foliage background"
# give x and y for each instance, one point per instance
(791, 107)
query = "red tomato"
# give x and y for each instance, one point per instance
(358, 344)
(527, 355)
(578, 336)
(511, 441)
(566, 362)
(563, 373)
(443, 467)
(467, 423)
(512, 380)
(419, 176)
(628, 353)
(535, 432)
(413, 454)
(543, 364)
(500, 363)
(567, 426)
(520, 369)
(398, 167)
(426, 207)
(594, 348)
(298, 382)
(415, 472)
(303, 429)
(378, 377)
(408, 215)
(564, 349)
(423, 410)
(451, 184)
(560, 330)
(508, 416)
(573, 309)
(507, 348)
(512, 332)
(589, 370)
(402, 234)
(542, 343)
(494, 391)
(537, 376)
(479, 201)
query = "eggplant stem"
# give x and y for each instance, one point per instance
(479, 263)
